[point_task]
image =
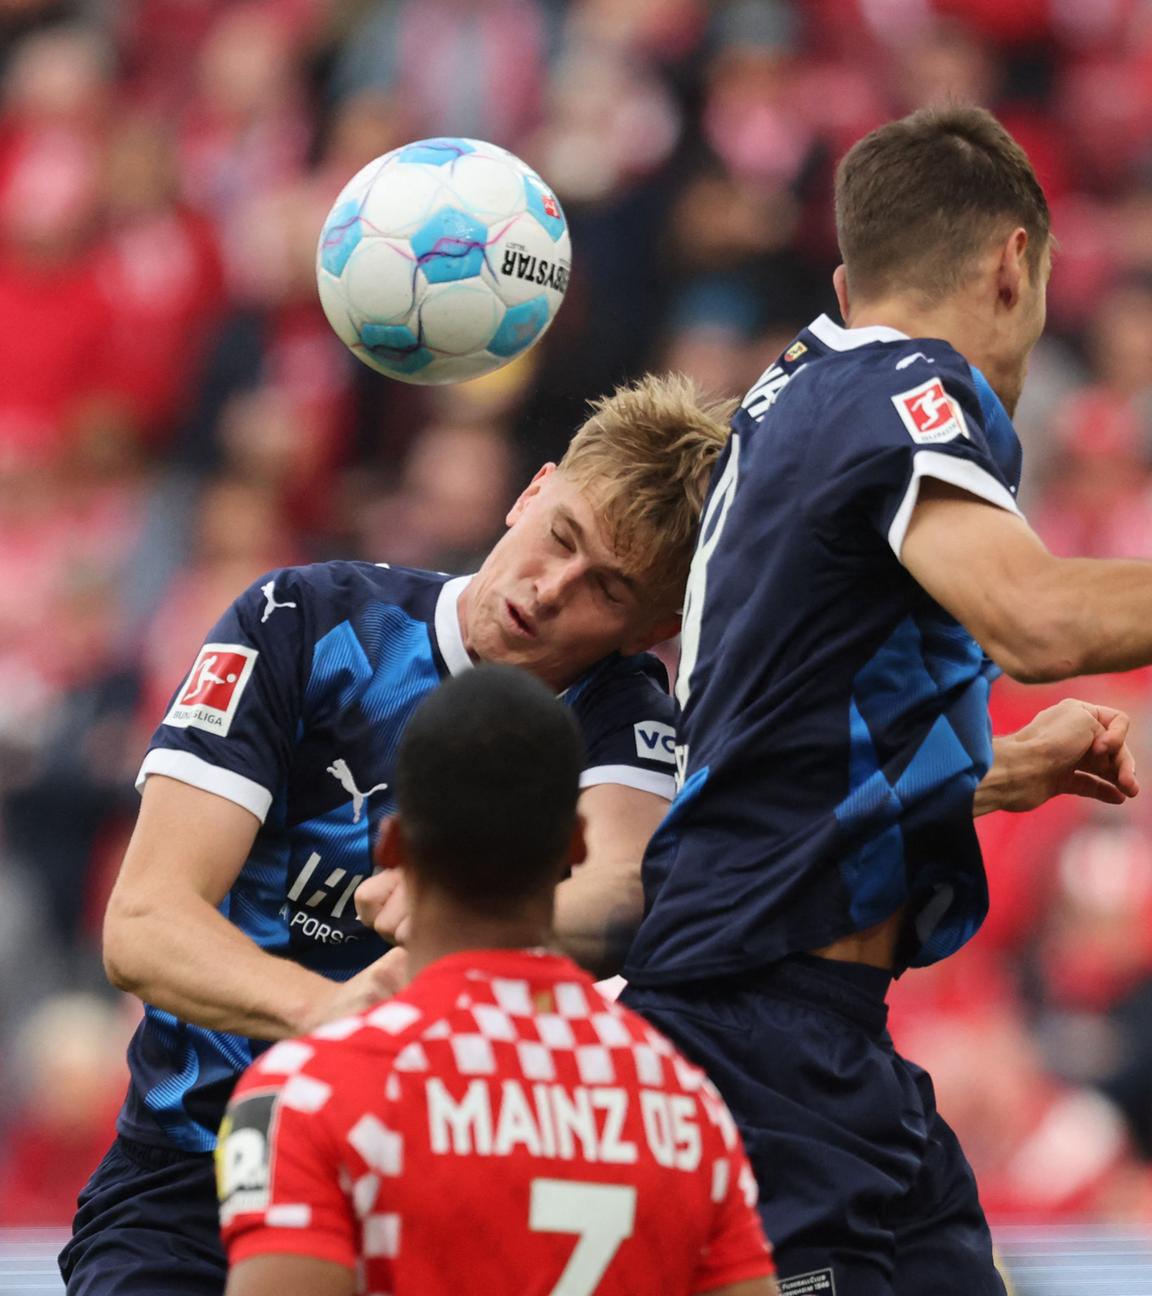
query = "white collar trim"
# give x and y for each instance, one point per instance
(449, 636)
(847, 339)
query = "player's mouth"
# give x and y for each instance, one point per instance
(520, 624)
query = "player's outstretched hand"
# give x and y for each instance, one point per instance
(1074, 747)
(382, 904)
(378, 981)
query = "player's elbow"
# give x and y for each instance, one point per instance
(1036, 645)
(123, 941)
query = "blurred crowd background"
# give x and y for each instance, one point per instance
(176, 417)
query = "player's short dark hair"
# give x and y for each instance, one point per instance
(918, 198)
(487, 777)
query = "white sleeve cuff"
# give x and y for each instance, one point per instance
(661, 785)
(199, 773)
(962, 473)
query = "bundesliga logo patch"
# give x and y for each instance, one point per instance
(930, 414)
(212, 692)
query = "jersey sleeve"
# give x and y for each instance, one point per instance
(230, 726)
(626, 716)
(280, 1165)
(926, 420)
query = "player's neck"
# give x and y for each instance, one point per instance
(440, 928)
(956, 320)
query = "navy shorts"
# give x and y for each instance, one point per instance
(147, 1225)
(864, 1190)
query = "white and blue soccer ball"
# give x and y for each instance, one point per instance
(443, 260)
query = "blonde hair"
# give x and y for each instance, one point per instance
(644, 456)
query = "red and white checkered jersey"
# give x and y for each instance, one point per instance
(498, 1127)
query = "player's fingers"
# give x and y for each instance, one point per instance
(392, 913)
(1081, 783)
(373, 894)
(1125, 776)
(403, 927)
(1114, 734)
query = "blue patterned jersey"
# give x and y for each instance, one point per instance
(834, 720)
(294, 708)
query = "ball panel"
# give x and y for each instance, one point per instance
(520, 327)
(450, 245)
(459, 318)
(545, 206)
(393, 349)
(338, 239)
(336, 308)
(488, 187)
(436, 152)
(525, 262)
(401, 198)
(379, 281)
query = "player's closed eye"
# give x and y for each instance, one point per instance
(605, 589)
(563, 541)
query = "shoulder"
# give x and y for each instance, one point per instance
(642, 675)
(349, 583)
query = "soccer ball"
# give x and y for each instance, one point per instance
(443, 260)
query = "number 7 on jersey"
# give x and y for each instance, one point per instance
(601, 1215)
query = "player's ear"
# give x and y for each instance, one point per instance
(528, 494)
(1012, 268)
(389, 849)
(840, 284)
(655, 632)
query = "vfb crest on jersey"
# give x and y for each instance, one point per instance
(930, 414)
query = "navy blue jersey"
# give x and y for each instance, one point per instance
(294, 709)
(834, 720)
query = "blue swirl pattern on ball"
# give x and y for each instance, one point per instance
(395, 347)
(340, 236)
(434, 152)
(520, 327)
(450, 246)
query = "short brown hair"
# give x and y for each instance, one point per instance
(644, 456)
(919, 198)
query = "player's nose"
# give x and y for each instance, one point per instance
(554, 585)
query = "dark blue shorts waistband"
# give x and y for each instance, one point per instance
(854, 990)
(156, 1156)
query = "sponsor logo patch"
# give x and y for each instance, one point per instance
(523, 265)
(930, 414)
(212, 692)
(656, 741)
(795, 351)
(244, 1155)
(817, 1283)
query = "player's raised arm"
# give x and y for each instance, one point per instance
(1037, 616)
(166, 941)
(599, 907)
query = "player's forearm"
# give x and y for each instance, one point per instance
(182, 956)
(1084, 616)
(598, 910)
(1013, 768)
